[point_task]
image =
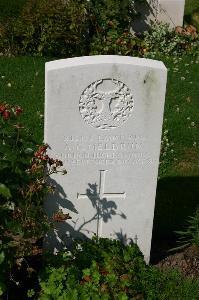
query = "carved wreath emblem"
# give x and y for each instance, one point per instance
(104, 109)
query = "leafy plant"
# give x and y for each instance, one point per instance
(73, 28)
(191, 233)
(110, 25)
(23, 184)
(106, 269)
(117, 43)
(57, 28)
(161, 39)
(70, 28)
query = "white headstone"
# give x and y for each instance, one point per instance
(169, 12)
(103, 119)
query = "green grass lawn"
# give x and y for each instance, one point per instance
(181, 117)
(22, 82)
(190, 6)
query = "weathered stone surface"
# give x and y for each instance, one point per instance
(170, 12)
(103, 119)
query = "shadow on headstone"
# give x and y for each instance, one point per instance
(146, 16)
(64, 233)
(123, 238)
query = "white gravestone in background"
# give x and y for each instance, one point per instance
(103, 119)
(169, 12)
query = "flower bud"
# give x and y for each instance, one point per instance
(6, 115)
(18, 110)
(2, 108)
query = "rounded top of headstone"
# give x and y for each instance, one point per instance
(106, 59)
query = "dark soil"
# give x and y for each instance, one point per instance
(187, 261)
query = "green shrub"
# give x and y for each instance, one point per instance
(51, 28)
(67, 28)
(114, 43)
(161, 39)
(110, 26)
(70, 28)
(23, 185)
(106, 269)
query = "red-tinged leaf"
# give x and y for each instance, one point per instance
(60, 217)
(87, 278)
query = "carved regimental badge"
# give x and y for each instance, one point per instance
(106, 104)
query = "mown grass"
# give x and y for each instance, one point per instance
(177, 190)
(191, 6)
(22, 83)
(181, 117)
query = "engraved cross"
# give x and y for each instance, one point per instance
(100, 196)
